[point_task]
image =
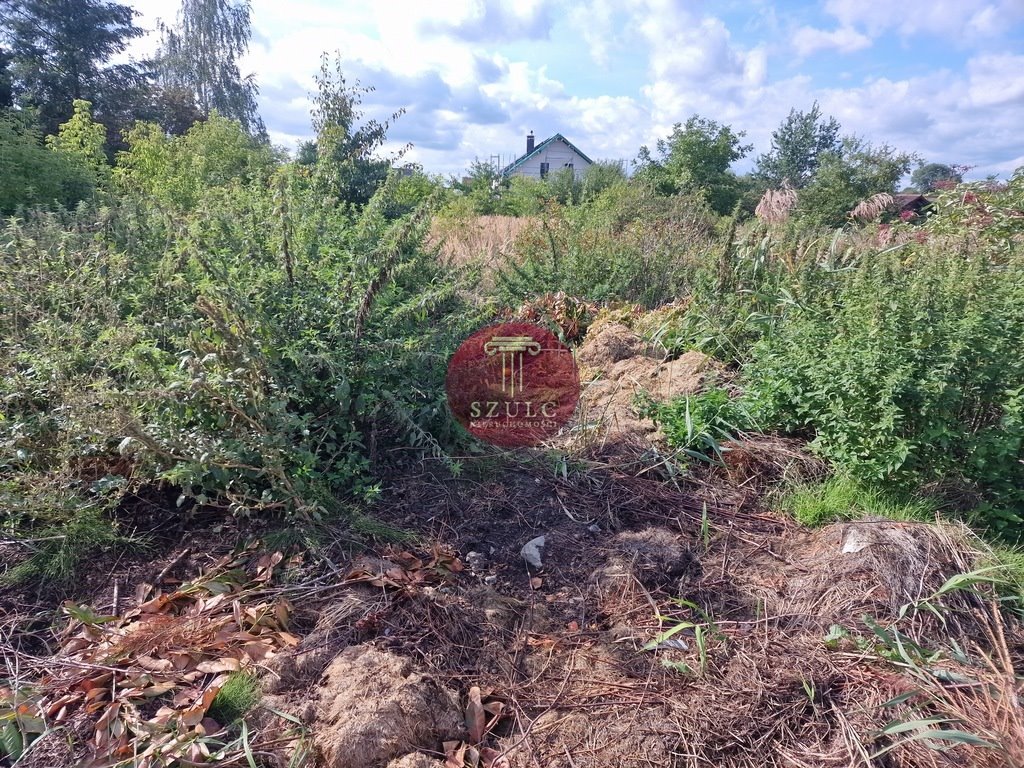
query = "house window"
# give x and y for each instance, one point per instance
(544, 170)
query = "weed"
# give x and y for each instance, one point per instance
(697, 425)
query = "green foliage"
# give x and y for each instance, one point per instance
(63, 528)
(848, 175)
(346, 168)
(600, 176)
(697, 425)
(61, 52)
(227, 328)
(696, 159)
(34, 175)
(928, 177)
(238, 696)
(627, 244)
(842, 498)
(180, 171)
(904, 370)
(200, 56)
(797, 145)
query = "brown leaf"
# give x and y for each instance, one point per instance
(159, 689)
(258, 651)
(154, 665)
(111, 712)
(536, 582)
(281, 612)
(289, 639)
(226, 664)
(475, 716)
(61, 703)
(455, 754)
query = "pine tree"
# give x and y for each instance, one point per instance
(59, 51)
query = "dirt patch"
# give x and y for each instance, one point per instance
(373, 707)
(668, 625)
(617, 365)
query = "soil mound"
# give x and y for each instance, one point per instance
(372, 707)
(618, 366)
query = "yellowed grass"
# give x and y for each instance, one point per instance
(487, 240)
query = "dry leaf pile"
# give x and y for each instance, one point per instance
(144, 682)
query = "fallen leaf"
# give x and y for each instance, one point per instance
(536, 582)
(475, 716)
(227, 664)
(154, 665)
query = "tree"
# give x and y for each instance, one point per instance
(60, 53)
(853, 172)
(346, 167)
(600, 176)
(696, 157)
(200, 54)
(6, 80)
(931, 176)
(797, 145)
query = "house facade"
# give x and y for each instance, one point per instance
(550, 156)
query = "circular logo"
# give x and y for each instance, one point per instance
(513, 384)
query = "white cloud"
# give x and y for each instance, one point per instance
(808, 40)
(953, 19)
(470, 94)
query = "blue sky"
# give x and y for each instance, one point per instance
(941, 78)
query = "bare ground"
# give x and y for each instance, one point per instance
(671, 623)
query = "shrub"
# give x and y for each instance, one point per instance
(625, 245)
(35, 176)
(905, 369)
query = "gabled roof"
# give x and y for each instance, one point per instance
(516, 163)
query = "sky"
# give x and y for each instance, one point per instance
(940, 78)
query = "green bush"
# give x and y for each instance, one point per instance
(905, 368)
(226, 328)
(34, 175)
(697, 425)
(624, 245)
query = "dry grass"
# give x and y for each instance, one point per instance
(873, 207)
(775, 204)
(487, 240)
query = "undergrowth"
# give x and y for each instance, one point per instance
(842, 498)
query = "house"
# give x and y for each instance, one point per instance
(911, 202)
(550, 156)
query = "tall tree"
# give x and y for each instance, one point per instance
(930, 176)
(848, 175)
(60, 51)
(347, 167)
(201, 54)
(696, 157)
(6, 80)
(797, 145)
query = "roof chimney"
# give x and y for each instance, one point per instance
(529, 142)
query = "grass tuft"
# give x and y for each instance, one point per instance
(842, 498)
(241, 692)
